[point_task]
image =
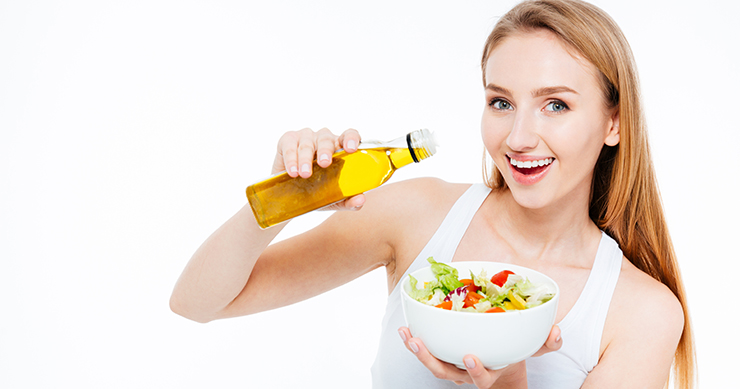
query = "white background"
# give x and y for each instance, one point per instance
(129, 130)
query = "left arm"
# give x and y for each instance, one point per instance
(644, 324)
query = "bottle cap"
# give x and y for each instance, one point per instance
(421, 144)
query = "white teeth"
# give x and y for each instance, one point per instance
(530, 164)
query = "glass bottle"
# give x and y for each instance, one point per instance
(281, 197)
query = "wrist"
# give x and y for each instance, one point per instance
(513, 377)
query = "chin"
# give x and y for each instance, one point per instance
(530, 199)
(532, 204)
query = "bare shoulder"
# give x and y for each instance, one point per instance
(397, 213)
(406, 214)
(426, 190)
(642, 301)
(412, 202)
(641, 334)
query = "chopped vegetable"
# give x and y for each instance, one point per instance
(472, 287)
(505, 291)
(501, 277)
(516, 300)
(445, 305)
(471, 299)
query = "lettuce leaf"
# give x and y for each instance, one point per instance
(447, 278)
(416, 293)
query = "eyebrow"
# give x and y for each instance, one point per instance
(498, 89)
(548, 90)
(551, 90)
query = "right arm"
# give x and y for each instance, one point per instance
(220, 268)
(237, 272)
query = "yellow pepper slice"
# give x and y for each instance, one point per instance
(516, 301)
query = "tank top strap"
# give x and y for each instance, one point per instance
(394, 366)
(450, 232)
(590, 310)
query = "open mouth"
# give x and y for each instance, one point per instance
(530, 167)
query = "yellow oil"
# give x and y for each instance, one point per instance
(281, 197)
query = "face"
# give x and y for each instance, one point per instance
(545, 120)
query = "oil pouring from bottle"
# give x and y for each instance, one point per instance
(282, 197)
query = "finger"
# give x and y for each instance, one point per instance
(439, 369)
(353, 203)
(482, 377)
(287, 154)
(306, 152)
(349, 140)
(405, 336)
(325, 146)
(553, 343)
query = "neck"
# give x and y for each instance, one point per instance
(536, 234)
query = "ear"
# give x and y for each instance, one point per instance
(612, 135)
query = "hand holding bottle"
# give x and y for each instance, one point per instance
(297, 150)
(319, 170)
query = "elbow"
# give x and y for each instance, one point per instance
(179, 307)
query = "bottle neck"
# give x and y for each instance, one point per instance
(400, 157)
(413, 147)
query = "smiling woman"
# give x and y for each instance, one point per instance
(621, 189)
(544, 104)
(571, 195)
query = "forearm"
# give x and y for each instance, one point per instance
(221, 267)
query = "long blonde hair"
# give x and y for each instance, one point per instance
(625, 201)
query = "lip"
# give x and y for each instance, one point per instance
(527, 179)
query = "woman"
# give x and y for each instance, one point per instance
(571, 194)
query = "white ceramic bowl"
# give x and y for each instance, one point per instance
(497, 339)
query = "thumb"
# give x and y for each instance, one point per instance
(353, 203)
(553, 342)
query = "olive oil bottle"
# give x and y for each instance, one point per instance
(281, 197)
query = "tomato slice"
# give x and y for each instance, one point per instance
(474, 295)
(445, 305)
(470, 285)
(471, 299)
(501, 277)
(495, 309)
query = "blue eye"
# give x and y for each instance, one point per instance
(500, 104)
(556, 106)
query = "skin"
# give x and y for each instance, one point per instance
(542, 225)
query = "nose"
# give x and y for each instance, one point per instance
(523, 136)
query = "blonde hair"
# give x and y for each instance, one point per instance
(625, 201)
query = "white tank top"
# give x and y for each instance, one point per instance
(581, 328)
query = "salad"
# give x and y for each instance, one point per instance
(504, 291)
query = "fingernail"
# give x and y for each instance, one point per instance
(414, 347)
(403, 336)
(294, 169)
(358, 206)
(351, 145)
(305, 168)
(557, 339)
(324, 157)
(469, 363)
